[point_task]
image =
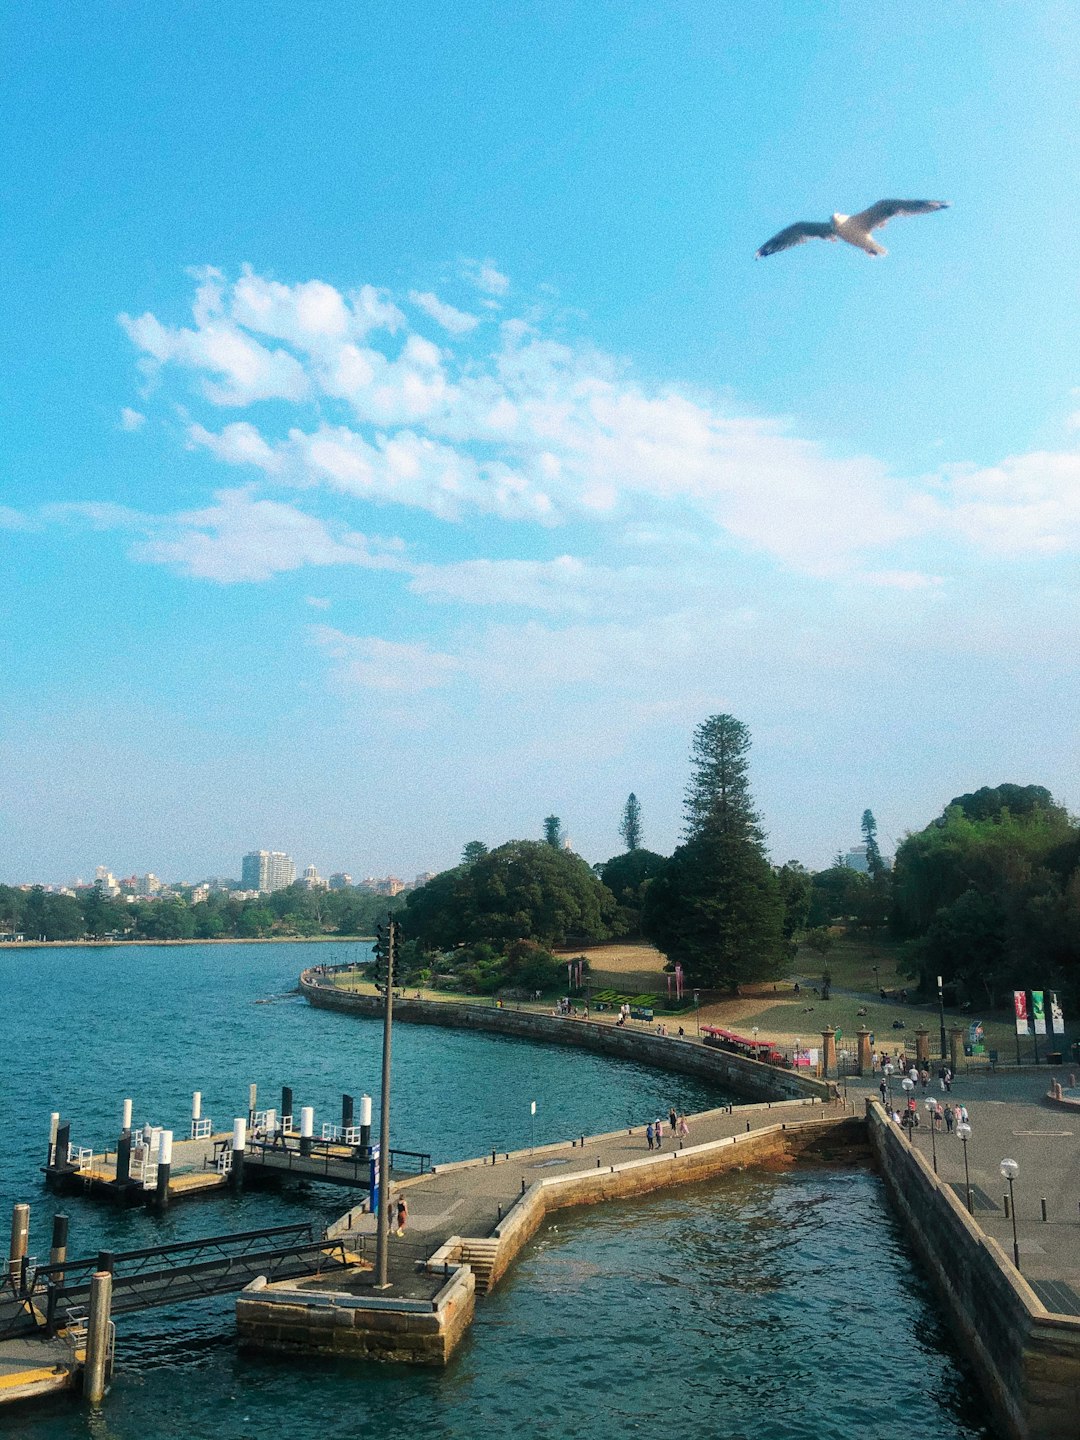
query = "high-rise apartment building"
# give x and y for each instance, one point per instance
(267, 870)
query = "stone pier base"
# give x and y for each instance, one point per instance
(290, 1318)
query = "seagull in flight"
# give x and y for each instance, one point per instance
(855, 229)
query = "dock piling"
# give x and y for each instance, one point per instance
(54, 1126)
(286, 1104)
(58, 1249)
(164, 1168)
(365, 1124)
(20, 1239)
(97, 1338)
(346, 1112)
(253, 1100)
(307, 1128)
(239, 1140)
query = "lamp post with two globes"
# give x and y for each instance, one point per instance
(1009, 1171)
(964, 1131)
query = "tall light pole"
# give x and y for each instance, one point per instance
(388, 941)
(909, 1111)
(1009, 1171)
(941, 1015)
(931, 1111)
(964, 1131)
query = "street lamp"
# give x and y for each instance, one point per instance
(1009, 1171)
(964, 1131)
(941, 1014)
(877, 986)
(909, 1112)
(931, 1110)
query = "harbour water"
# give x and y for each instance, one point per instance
(785, 1305)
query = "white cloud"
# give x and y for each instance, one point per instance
(131, 419)
(542, 430)
(238, 444)
(564, 584)
(241, 538)
(458, 322)
(484, 275)
(317, 602)
(394, 668)
(12, 520)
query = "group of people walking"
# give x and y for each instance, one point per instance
(677, 1129)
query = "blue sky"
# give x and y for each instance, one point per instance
(400, 443)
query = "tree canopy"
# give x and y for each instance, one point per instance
(716, 906)
(523, 890)
(988, 895)
(630, 824)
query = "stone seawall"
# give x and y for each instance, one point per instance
(663, 1052)
(774, 1147)
(1027, 1359)
(289, 1318)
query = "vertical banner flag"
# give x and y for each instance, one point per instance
(1038, 1012)
(1057, 1015)
(678, 980)
(532, 1107)
(373, 1179)
(1020, 1006)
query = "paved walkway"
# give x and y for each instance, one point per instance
(1011, 1118)
(470, 1197)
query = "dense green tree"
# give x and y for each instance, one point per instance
(836, 895)
(716, 906)
(473, 851)
(874, 863)
(987, 895)
(628, 877)
(524, 890)
(630, 824)
(795, 887)
(553, 832)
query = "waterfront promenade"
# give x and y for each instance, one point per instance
(1011, 1118)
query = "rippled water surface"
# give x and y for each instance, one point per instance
(766, 1305)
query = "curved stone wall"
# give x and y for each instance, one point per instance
(665, 1052)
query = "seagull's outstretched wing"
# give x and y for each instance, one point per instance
(879, 214)
(797, 234)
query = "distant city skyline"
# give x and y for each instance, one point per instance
(418, 449)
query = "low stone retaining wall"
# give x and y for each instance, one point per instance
(774, 1145)
(289, 1318)
(1027, 1359)
(663, 1052)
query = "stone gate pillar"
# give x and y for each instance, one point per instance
(956, 1048)
(866, 1062)
(922, 1047)
(828, 1051)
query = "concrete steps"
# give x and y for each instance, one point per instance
(479, 1254)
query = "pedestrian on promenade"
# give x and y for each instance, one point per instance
(649, 1136)
(658, 1128)
(684, 1128)
(673, 1119)
(402, 1215)
(963, 1113)
(950, 1119)
(884, 1088)
(948, 1078)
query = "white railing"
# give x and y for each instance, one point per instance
(82, 1157)
(201, 1129)
(343, 1134)
(285, 1125)
(223, 1165)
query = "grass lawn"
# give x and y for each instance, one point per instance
(774, 1008)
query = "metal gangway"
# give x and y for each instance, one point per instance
(43, 1297)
